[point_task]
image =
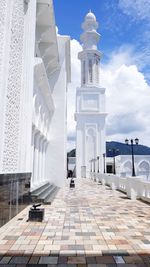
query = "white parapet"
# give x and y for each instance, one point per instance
(134, 187)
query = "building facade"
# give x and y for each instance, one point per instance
(90, 102)
(34, 73)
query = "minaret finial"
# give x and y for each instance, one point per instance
(90, 11)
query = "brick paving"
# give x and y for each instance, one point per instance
(89, 225)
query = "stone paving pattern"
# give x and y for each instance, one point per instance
(89, 225)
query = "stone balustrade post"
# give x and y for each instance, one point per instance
(132, 188)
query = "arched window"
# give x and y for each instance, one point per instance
(97, 69)
(143, 169)
(127, 168)
(90, 71)
(90, 144)
(83, 72)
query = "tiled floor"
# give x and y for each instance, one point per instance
(89, 225)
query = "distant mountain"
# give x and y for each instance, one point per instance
(123, 149)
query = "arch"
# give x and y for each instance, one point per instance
(143, 169)
(127, 168)
(91, 132)
(90, 144)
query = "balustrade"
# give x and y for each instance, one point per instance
(134, 187)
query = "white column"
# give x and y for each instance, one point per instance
(28, 70)
(45, 163)
(43, 159)
(36, 158)
(40, 160)
(32, 158)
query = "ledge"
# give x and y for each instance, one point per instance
(46, 35)
(42, 80)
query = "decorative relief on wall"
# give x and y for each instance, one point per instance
(11, 142)
(3, 15)
(3, 8)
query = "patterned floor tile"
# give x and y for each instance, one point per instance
(82, 227)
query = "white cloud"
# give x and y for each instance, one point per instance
(75, 81)
(139, 13)
(128, 97)
(138, 9)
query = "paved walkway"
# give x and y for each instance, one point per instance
(89, 225)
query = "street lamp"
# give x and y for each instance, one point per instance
(94, 165)
(90, 165)
(98, 163)
(114, 150)
(132, 152)
(104, 161)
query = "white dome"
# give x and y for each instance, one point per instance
(90, 16)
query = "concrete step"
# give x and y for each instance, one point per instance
(44, 194)
(38, 191)
(47, 192)
(49, 199)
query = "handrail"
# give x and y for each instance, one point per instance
(134, 187)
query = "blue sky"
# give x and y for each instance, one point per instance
(124, 26)
(122, 23)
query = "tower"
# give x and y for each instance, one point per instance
(90, 102)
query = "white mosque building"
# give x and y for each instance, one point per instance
(90, 102)
(34, 73)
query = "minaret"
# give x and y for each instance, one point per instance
(90, 102)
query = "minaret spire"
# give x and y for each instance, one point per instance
(90, 36)
(90, 56)
(90, 102)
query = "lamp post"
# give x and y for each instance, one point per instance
(132, 152)
(98, 163)
(94, 165)
(104, 161)
(114, 150)
(90, 165)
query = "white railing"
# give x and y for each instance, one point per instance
(134, 187)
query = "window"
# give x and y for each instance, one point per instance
(83, 72)
(90, 71)
(97, 70)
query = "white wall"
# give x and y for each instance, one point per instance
(16, 84)
(25, 153)
(12, 58)
(33, 89)
(5, 35)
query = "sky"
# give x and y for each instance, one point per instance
(124, 26)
